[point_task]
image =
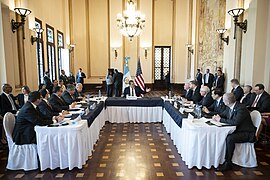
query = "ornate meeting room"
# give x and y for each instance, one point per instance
(135, 89)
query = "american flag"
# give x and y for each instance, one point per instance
(139, 80)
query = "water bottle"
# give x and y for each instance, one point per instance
(198, 111)
(99, 93)
(170, 94)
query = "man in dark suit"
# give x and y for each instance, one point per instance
(247, 95)
(260, 100)
(57, 102)
(208, 79)
(199, 77)
(80, 76)
(237, 90)
(28, 117)
(64, 77)
(8, 103)
(207, 99)
(47, 81)
(23, 97)
(219, 80)
(133, 90)
(237, 115)
(44, 107)
(188, 92)
(68, 95)
(196, 96)
(118, 80)
(217, 106)
(78, 92)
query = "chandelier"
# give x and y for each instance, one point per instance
(131, 22)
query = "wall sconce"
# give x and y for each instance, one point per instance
(23, 13)
(235, 13)
(189, 46)
(38, 38)
(71, 47)
(145, 52)
(221, 32)
(115, 49)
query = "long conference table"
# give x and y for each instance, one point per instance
(199, 144)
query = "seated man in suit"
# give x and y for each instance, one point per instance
(78, 92)
(28, 117)
(44, 107)
(196, 96)
(237, 90)
(260, 100)
(133, 90)
(237, 115)
(217, 106)
(247, 95)
(57, 102)
(23, 97)
(8, 103)
(207, 99)
(187, 92)
(68, 95)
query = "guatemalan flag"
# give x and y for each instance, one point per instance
(139, 80)
(126, 76)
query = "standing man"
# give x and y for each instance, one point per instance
(219, 80)
(80, 76)
(237, 115)
(118, 79)
(47, 81)
(208, 79)
(199, 77)
(237, 90)
(64, 77)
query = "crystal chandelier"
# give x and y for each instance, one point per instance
(131, 22)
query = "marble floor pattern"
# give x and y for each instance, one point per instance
(140, 151)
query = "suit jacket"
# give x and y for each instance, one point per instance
(78, 95)
(206, 100)
(188, 94)
(217, 108)
(64, 78)
(47, 82)
(6, 105)
(27, 119)
(210, 80)
(238, 93)
(219, 82)
(46, 110)
(118, 79)
(246, 100)
(138, 91)
(68, 98)
(58, 104)
(263, 105)
(199, 78)
(196, 97)
(240, 117)
(20, 98)
(80, 79)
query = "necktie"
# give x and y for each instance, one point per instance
(254, 104)
(132, 92)
(12, 103)
(231, 111)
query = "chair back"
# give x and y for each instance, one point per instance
(256, 119)
(9, 123)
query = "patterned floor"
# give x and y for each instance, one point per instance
(140, 151)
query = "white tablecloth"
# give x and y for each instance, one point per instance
(64, 147)
(199, 144)
(125, 114)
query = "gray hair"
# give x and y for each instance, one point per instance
(70, 87)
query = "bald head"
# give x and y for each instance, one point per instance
(229, 99)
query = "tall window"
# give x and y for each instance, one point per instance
(60, 46)
(51, 52)
(40, 53)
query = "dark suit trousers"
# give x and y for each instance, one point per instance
(237, 137)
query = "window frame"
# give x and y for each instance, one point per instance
(52, 46)
(40, 74)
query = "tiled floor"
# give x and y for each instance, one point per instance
(140, 151)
